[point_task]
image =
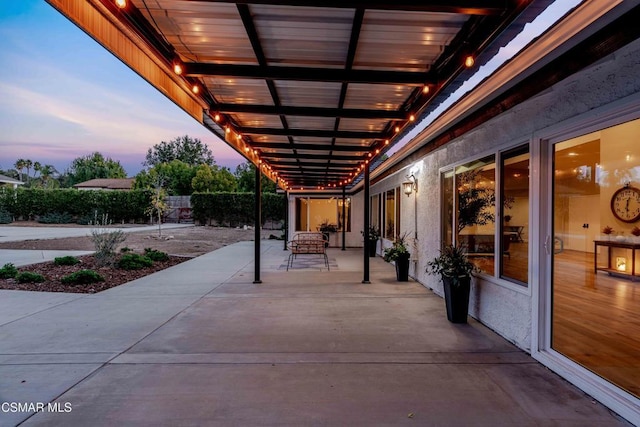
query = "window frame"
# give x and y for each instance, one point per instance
(498, 152)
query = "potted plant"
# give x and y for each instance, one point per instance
(325, 228)
(636, 233)
(456, 270)
(607, 232)
(374, 235)
(399, 253)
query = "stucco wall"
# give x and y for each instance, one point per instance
(505, 307)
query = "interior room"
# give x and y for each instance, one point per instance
(596, 297)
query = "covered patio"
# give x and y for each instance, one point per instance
(313, 93)
(201, 344)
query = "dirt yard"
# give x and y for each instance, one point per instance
(185, 242)
(180, 243)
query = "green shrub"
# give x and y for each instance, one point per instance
(82, 277)
(134, 262)
(125, 249)
(235, 208)
(55, 218)
(29, 277)
(8, 271)
(5, 216)
(66, 260)
(155, 255)
(26, 203)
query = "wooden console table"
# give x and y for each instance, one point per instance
(609, 268)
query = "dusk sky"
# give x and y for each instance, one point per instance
(62, 96)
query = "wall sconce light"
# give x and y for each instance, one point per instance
(410, 186)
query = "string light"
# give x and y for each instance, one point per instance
(216, 118)
(386, 142)
(397, 129)
(177, 68)
(121, 3)
(469, 61)
(227, 129)
(412, 118)
(425, 89)
(195, 89)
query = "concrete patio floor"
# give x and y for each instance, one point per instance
(200, 344)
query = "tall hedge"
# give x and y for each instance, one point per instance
(235, 208)
(31, 202)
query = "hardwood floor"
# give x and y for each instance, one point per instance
(596, 320)
(514, 263)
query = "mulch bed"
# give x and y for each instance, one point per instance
(112, 275)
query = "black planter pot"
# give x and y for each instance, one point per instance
(402, 269)
(457, 299)
(372, 248)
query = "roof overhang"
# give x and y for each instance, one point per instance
(588, 33)
(310, 91)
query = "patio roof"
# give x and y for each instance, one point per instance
(309, 90)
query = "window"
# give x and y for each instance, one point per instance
(514, 185)
(471, 216)
(447, 207)
(374, 220)
(312, 213)
(475, 211)
(390, 215)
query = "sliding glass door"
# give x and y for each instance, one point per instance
(595, 289)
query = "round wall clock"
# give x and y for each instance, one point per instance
(625, 204)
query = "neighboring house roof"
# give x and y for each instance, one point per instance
(107, 183)
(5, 179)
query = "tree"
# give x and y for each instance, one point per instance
(94, 166)
(36, 168)
(474, 201)
(27, 165)
(20, 164)
(188, 150)
(203, 181)
(213, 179)
(46, 173)
(225, 180)
(246, 176)
(158, 203)
(176, 177)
